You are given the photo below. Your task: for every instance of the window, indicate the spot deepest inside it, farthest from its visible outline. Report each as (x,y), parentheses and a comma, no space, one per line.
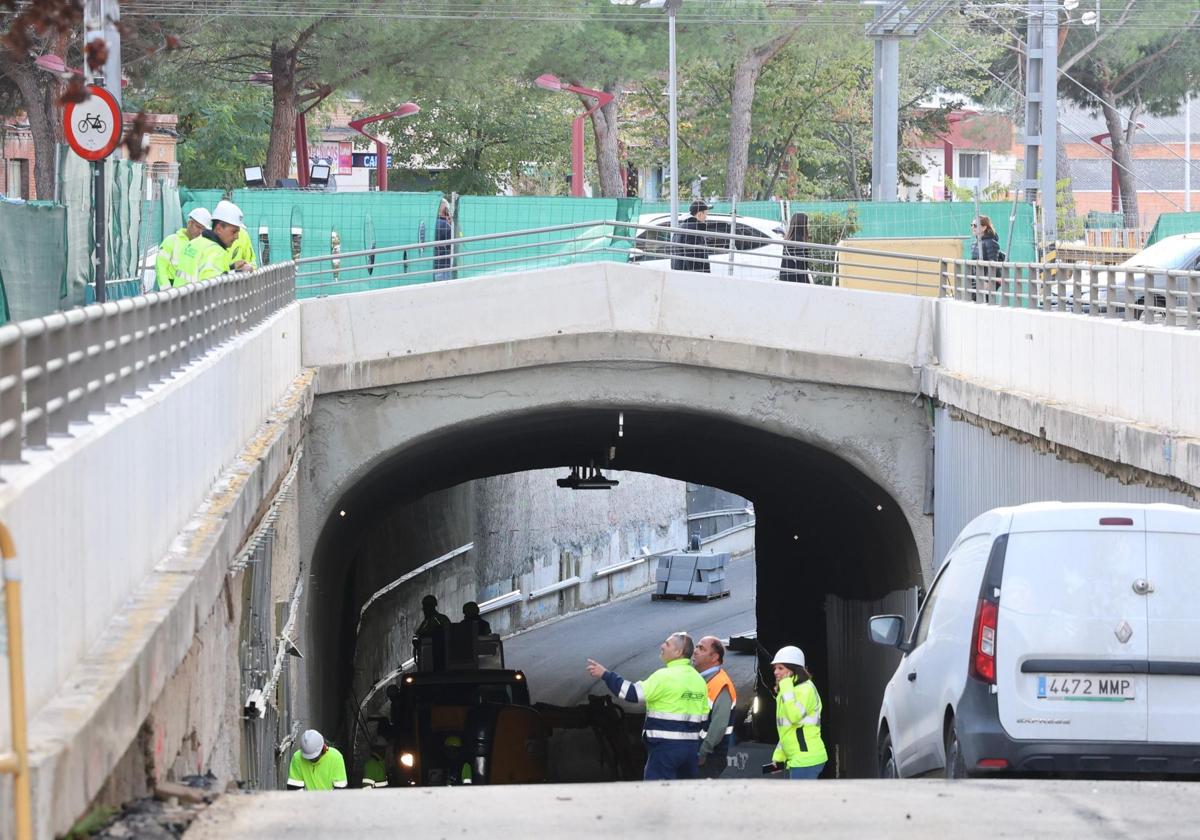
(921,631)
(17,178)
(972,165)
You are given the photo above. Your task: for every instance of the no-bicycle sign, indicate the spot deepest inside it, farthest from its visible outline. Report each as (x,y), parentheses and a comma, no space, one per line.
(93,127)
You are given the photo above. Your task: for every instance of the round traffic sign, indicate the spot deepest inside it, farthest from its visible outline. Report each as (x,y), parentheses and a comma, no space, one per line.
(93,127)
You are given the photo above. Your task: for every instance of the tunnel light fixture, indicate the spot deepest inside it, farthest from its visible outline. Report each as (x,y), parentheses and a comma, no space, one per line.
(587,478)
(342,513)
(878,507)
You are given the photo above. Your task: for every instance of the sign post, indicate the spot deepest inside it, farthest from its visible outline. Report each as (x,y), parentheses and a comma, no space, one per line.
(93,130)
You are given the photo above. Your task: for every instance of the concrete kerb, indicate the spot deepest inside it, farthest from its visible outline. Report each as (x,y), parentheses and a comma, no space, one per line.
(79,736)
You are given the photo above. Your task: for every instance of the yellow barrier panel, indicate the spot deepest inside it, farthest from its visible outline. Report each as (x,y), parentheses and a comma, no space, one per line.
(16,762)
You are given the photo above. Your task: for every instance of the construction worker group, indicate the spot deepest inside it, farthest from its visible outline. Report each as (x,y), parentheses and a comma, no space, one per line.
(210,245)
(689,702)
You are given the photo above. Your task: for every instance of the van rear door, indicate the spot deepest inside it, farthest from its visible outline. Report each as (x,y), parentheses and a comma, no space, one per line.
(1071,640)
(1173,572)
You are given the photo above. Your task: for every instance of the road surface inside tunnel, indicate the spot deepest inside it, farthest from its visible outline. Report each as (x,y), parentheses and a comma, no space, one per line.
(624,636)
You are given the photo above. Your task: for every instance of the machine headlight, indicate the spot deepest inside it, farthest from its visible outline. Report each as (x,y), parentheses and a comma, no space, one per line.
(754,707)
(406,759)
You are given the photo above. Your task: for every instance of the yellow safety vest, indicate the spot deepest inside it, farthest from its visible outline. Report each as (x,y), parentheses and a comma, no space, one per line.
(798,718)
(243,249)
(202,259)
(166,262)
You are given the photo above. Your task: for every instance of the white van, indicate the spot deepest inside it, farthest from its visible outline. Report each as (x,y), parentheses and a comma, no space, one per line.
(1056,638)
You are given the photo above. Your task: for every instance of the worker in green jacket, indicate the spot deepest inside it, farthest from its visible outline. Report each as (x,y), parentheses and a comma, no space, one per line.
(207,256)
(241,252)
(171,249)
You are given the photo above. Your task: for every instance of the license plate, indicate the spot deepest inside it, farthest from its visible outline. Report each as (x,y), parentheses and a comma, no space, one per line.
(1113,688)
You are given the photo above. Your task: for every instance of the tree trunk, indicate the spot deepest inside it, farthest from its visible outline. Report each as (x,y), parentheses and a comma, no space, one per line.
(283,114)
(37,95)
(608,160)
(745,78)
(1120,137)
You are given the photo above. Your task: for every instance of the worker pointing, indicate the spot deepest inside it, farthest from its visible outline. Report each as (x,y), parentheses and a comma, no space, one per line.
(676,708)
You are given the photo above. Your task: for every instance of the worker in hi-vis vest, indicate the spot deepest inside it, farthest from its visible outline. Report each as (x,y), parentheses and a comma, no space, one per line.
(676,708)
(717,737)
(171,249)
(316,765)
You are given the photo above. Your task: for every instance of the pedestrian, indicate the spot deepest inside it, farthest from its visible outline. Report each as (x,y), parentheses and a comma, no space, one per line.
(717,737)
(985,248)
(794,267)
(471,616)
(316,765)
(207,256)
(441,253)
(676,701)
(798,717)
(167,262)
(691,247)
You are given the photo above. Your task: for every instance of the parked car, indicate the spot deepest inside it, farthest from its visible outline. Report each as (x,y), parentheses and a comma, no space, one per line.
(1056,638)
(1142,271)
(749,259)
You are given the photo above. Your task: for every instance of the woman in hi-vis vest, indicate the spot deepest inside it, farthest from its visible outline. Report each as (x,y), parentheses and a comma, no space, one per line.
(798,717)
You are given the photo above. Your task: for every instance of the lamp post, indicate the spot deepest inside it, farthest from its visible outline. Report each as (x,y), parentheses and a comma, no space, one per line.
(548,81)
(670,7)
(408,109)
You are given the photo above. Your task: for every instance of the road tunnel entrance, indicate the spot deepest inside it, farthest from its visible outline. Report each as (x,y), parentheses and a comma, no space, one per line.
(831,540)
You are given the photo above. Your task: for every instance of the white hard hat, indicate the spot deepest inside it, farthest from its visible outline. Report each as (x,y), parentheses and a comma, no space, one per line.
(201,217)
(789,655)
(227,211)
(311,744)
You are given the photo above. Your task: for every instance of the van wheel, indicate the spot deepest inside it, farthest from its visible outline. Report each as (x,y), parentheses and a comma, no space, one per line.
(956,766)
(887,759)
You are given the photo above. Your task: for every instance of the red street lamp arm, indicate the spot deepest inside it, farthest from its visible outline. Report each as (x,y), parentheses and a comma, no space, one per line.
(408,109)
(548,81)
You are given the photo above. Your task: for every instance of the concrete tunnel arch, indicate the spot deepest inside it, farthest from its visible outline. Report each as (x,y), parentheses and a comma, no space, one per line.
(830,469)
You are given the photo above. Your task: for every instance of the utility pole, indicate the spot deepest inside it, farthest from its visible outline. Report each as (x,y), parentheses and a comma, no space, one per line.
(1041,114)
(894,19)
(100,18)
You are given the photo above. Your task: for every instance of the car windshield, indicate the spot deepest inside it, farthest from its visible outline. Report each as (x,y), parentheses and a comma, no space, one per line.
(1168,254)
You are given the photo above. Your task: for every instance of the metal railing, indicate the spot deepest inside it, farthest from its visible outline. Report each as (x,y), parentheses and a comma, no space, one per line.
(760,257)
(69,365)
(17,761)
(1102,291)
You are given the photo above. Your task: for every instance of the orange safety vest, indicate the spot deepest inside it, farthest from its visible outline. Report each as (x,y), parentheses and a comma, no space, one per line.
(719,681)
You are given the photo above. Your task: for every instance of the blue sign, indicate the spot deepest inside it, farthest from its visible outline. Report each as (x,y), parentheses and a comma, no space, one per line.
(370,160)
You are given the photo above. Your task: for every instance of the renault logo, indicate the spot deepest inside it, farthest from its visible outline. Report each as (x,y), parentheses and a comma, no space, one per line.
(1123,632)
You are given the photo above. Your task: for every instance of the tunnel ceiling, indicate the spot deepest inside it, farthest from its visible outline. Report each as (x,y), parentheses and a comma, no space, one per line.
(815,493)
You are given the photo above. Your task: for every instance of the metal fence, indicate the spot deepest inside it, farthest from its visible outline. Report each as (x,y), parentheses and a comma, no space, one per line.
(723,253)
(1130,294)
(66,366)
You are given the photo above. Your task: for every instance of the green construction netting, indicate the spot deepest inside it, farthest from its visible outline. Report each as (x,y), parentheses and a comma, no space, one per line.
(1169,224)
(481,215)
(915,219)
(1104,221)
(32,258)
(772,210)
(300,223)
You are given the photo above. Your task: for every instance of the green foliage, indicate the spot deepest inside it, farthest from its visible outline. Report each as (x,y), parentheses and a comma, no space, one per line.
(1070,225)
(504,135)
(829,229)
(219,134)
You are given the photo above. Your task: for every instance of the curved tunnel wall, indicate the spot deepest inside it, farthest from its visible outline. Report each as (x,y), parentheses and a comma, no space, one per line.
(837,473)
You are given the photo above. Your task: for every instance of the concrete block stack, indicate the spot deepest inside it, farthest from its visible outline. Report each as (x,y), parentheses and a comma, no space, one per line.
(687,575)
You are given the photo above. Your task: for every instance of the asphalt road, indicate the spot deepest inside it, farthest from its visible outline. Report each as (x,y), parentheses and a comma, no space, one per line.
(624,637)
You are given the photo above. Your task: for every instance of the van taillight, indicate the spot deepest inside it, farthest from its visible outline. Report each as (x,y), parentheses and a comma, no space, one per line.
(983,642)
(1115,520)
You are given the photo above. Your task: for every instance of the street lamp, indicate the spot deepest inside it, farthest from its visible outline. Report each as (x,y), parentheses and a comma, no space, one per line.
(548,81)
(671,7)
(405,110)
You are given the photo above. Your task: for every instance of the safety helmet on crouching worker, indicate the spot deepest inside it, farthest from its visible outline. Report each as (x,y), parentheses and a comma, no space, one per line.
(228,212)
(311,744)
(201,217)
(789,655)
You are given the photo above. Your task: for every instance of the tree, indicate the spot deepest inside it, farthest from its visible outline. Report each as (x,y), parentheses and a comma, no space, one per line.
(488,138)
